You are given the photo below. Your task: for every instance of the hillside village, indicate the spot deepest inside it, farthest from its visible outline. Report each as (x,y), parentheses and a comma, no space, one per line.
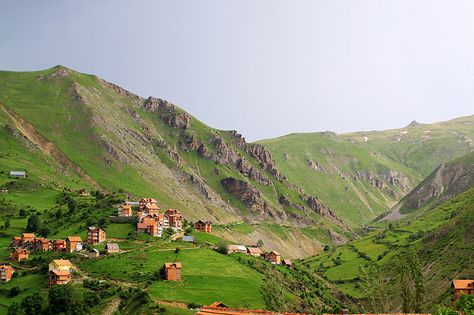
(286,225)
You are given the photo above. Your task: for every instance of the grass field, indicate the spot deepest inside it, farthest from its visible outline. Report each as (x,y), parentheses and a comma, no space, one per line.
(207,276)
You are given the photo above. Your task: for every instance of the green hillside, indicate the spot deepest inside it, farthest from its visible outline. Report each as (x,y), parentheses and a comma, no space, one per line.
(75,130)
(441,237)
(362,175)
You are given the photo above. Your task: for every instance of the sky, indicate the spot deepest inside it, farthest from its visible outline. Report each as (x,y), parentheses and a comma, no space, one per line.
(264,68)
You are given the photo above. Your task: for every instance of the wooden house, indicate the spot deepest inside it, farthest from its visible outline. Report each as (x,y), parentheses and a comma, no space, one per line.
(16,241)
(274,257)
(287,262)
(58,277)
(93,253)
(95,235)
(462,287)
(111,248)
(28,240)
(42,244)
(59,245)
(6,272)
(173,271)
(73,243)
(60,264)
(203,226)
(19,254)
(254,251)
(125,211)
(175,219)
(236,249)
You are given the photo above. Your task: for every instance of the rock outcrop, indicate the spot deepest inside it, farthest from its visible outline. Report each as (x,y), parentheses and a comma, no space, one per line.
(245,193)
(153,104)
(179,121)
(224,154)
(251,172)
(319,208)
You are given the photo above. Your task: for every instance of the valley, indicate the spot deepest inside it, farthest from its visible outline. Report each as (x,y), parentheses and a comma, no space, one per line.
(345,208)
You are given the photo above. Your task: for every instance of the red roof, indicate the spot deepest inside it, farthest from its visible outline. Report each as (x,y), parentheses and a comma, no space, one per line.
(463,284)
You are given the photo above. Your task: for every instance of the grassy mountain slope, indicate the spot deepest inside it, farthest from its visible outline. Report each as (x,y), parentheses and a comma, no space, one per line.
(448,180)
(439,231)
(107,138)
(361,175)
(358,184)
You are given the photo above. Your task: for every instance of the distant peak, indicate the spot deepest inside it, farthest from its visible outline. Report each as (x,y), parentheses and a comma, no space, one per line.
(413,123)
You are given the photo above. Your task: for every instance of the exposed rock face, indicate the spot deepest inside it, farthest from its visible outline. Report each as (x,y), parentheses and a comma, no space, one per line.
(336,238)
(152,104)
(237,138)
(314,165)
(251,172)
(384,178)
(224,154)
(263,155)
(190,142)
(446,181)
(179,121)
(246,193)
(286,203)
(59,73)
(319,208)
(397,179)
(328,133)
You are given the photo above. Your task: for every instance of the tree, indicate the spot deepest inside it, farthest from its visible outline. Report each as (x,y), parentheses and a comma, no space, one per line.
(59,214)
(465,303)
(44,231)
(260,243)
(7,223)
(272,292)
(66,299)
(72,205)
(222,247)
(33,223)
(22,213)
(15,309)
(102,222)
(326,248)
(32,304)
(411,283)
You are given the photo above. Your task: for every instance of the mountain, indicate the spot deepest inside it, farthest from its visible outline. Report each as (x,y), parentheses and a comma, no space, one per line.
(438,229)
(74,130)
(364,174)
(447,181)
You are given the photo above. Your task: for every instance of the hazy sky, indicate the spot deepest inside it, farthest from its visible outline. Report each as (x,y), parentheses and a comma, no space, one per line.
(265,68)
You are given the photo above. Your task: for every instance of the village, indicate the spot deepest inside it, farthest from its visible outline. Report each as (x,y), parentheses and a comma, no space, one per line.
(147,217)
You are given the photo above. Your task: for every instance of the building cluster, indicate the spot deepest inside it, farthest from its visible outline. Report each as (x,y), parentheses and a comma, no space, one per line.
(149,217)
(273,256)
(22,245)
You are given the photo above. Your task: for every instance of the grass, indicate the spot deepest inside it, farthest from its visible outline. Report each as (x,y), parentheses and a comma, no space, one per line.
(30,284)
(119,230)
(208,276)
